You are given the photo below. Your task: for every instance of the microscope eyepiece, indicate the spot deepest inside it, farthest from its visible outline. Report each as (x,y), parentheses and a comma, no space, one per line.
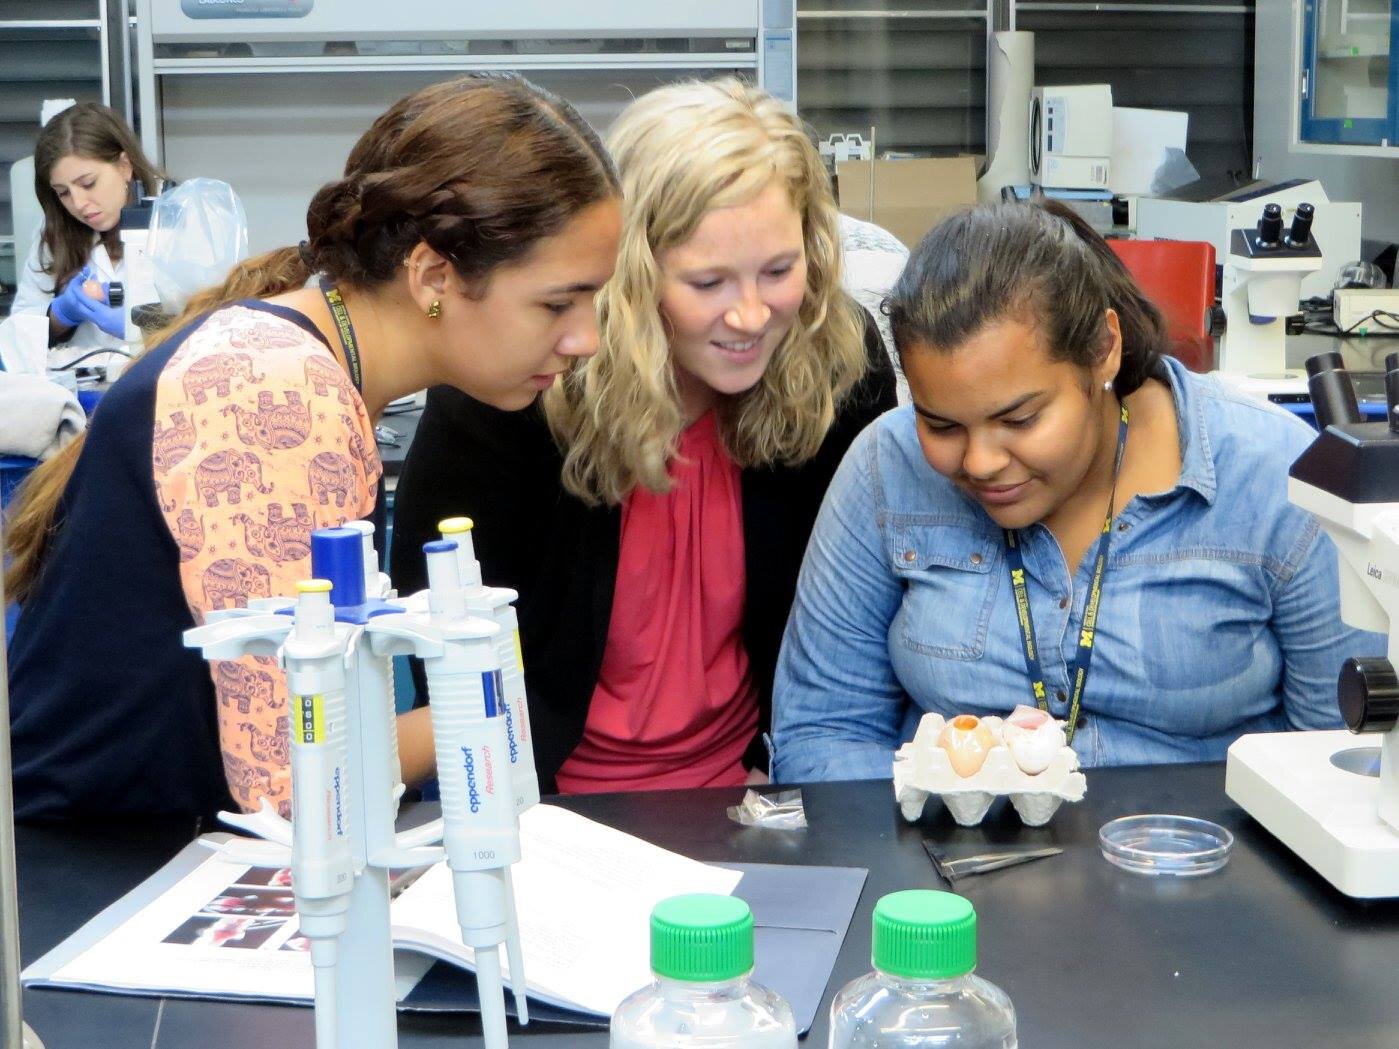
(1270,226)
(1331,360)
(1333,396)
(1301,231)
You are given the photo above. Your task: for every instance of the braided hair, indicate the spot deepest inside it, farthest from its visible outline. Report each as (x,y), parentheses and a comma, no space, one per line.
(479,169)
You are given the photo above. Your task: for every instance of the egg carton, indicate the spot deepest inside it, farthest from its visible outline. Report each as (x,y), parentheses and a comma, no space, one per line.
(922,769)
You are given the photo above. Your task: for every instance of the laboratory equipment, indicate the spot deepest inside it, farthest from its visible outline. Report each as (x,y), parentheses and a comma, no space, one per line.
(1179,846)
(1366,311)
(498,605)
(925,767)
(1071,136)
(134,232)
(335,641)
(1333,796)
(1335,224)
(703,996)
(1263,287)
(328,65)
(838,148)
(953,867)
(481,830)
(922,993)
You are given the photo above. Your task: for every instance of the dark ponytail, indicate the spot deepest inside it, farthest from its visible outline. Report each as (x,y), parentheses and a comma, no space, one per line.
(1035,262)
(481,168)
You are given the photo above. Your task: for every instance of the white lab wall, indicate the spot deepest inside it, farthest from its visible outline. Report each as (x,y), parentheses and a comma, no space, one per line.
(1374,181)
(278,138)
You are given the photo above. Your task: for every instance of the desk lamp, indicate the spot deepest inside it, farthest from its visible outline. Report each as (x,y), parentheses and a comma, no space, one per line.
(15,1031)
(1333,797)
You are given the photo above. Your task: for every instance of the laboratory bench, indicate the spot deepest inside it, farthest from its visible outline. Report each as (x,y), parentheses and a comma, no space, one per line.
(1263,953)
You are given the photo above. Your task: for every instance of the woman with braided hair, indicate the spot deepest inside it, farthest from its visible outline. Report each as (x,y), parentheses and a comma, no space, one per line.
(474,224)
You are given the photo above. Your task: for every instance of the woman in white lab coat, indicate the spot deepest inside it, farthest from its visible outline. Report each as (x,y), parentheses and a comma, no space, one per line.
(84,164)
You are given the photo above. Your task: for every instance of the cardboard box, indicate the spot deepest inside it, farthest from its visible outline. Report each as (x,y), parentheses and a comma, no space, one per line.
(908,196)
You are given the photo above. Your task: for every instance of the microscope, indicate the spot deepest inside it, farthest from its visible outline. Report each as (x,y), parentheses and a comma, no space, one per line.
(140,298)
(1333,797)
(1263,275)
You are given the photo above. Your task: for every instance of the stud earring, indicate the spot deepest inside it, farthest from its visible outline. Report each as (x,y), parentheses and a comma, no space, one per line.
(435,310)
(1107,385)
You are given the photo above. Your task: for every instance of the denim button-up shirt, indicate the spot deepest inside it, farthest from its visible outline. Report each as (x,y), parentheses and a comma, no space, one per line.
(1220,611)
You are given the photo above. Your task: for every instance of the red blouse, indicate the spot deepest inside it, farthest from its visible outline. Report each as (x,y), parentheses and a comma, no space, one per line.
(674,704)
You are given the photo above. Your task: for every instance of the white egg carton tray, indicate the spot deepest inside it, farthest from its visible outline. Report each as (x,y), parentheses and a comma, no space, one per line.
(922,769)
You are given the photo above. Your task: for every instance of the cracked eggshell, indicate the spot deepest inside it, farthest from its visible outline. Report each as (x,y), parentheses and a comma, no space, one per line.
(1034,748)
(1028,717)
(923,769)
(967,741)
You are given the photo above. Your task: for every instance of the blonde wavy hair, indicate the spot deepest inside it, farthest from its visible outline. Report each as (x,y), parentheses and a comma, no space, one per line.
(682,151)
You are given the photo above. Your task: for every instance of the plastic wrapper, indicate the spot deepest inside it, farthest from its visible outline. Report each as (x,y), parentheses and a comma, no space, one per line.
(924,769)
(780,811)
(198,233)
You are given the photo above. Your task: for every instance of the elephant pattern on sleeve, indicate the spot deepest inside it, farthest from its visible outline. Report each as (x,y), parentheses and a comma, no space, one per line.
(260,438)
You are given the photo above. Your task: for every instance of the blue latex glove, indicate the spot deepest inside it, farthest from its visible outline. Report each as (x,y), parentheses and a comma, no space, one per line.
(73,306)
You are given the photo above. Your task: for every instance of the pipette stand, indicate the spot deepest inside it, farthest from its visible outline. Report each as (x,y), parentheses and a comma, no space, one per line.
(362,1014)
(1332,796)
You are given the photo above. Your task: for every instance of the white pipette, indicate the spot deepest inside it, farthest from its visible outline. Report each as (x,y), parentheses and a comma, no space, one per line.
(322,856)
(378,585)
(498,604)
(480,827)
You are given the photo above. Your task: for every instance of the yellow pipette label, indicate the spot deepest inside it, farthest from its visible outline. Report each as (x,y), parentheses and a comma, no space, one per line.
(311,718)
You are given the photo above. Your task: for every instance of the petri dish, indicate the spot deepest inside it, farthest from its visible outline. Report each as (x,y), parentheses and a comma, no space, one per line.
(1174,846)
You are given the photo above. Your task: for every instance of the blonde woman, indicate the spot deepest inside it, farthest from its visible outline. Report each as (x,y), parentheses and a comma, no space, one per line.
(653,509)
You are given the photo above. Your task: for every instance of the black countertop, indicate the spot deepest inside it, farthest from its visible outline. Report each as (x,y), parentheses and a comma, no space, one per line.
(1264,953)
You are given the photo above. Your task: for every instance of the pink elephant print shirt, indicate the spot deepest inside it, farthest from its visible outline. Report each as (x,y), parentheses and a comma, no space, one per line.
(260,437)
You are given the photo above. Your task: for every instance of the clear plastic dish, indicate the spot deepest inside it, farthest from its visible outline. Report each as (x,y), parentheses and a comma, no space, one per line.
(1178,846)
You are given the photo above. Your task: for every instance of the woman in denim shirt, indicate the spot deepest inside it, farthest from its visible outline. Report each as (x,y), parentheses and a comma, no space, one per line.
(1032,357)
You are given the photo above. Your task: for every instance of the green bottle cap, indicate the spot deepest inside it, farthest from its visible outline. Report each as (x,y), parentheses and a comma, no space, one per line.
(920,934)
(701,938)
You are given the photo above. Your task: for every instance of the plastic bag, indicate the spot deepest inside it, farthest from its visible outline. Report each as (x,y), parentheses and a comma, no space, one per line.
(198,233)
(780,811)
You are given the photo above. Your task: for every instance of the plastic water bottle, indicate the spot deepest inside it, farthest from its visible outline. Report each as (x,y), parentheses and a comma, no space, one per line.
(703,998)
(922,994)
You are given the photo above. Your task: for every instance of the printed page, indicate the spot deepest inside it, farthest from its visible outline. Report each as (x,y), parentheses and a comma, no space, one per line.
(584,894)
(224,930)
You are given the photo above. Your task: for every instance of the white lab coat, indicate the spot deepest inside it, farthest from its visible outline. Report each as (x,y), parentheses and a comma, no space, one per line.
(35,292)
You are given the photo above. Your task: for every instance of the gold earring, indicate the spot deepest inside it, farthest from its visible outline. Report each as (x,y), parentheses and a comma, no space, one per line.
(435,310)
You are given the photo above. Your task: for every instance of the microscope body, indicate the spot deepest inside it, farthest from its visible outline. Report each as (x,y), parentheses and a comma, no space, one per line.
(1349,478)
(1263,275)
(134,233)
(1333,797)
